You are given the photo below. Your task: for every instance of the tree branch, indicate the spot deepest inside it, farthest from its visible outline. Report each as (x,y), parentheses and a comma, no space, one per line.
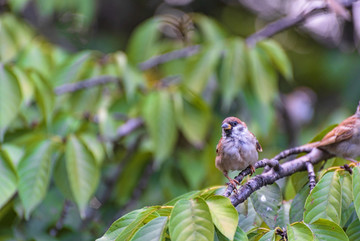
(72,87)
(285,169)
(268,31)
(310,169)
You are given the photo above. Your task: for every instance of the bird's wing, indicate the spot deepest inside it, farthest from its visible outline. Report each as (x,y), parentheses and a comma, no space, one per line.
(340,133)
(258,146)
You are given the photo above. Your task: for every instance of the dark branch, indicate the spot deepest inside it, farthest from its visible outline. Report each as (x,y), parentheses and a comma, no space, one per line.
(310,169)
(72,87)
(60,223)
(128,127)
(269,177)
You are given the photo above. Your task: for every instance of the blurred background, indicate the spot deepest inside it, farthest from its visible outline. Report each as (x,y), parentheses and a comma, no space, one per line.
(143,136)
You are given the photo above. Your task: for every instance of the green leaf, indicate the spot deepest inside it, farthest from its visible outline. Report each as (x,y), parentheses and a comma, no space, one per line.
(233,70)
(44,96)
(267,202)
(200,67)
(346,197)
(297,205)
(240,235)
(34,175)
(158,113)
(324,200)
(94,146)
(269,236)
(262,75)
(326,230)
(209,28)
(119,225)
(152,231)
(283,215)
(251,219)
(278,57)
(142,219)
(8,179)
(356,189)
(82,170)
(185,196)
(191,220)
(353,231)
(223,214)
(299,231)
(193,116)
(10,98)
(139,50)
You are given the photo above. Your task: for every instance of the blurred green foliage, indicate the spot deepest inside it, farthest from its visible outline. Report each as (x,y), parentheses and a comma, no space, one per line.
(66,174)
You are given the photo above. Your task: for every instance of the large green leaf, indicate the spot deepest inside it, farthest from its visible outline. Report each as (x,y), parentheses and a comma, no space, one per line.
(93,145)
(142,219)
(283,219)
(83,172)
(262,75)
(346,197)
(119,225)
(233,70)
(267,202)
(34,175)
(223,214)
(240,235)
(326,230)
(10,97)
(152,231)
(324,200)
(191,220)
(278,57)
(269,236)
(8,179)
(139,50)
(248,218)
(353,231)
(193,116)
(356,189)
(44,96)
(158,112)
(299,231)
(297,205)
(210,29)
(200,67)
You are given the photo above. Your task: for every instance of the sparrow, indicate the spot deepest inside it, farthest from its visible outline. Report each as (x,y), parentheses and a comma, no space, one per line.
(237,148)
(344,139)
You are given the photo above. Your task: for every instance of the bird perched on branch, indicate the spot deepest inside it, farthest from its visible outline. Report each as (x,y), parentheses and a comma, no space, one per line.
(343,140)
(237,148)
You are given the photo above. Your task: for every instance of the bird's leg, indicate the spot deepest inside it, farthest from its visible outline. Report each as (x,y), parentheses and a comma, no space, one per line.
(252,169)
(233,182)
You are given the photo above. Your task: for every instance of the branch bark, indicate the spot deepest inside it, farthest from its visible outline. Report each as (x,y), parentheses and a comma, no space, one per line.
(72,87)
(284,170)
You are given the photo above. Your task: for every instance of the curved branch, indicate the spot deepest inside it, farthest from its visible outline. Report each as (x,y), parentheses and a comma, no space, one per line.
(285,169)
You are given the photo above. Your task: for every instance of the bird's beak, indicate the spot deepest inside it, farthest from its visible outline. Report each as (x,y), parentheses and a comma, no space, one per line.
(226,126)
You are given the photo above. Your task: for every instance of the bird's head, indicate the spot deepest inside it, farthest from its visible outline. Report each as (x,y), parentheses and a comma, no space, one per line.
(232,127)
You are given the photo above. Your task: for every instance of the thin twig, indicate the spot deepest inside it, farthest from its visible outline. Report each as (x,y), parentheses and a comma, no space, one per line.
(72,87)
(311,174)
(128,127)
(60,223)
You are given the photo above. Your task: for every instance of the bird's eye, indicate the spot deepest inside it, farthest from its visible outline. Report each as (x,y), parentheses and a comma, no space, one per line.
(233,123)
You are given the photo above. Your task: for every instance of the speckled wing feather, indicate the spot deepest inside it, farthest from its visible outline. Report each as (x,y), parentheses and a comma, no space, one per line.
(258,146)
(340,133)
